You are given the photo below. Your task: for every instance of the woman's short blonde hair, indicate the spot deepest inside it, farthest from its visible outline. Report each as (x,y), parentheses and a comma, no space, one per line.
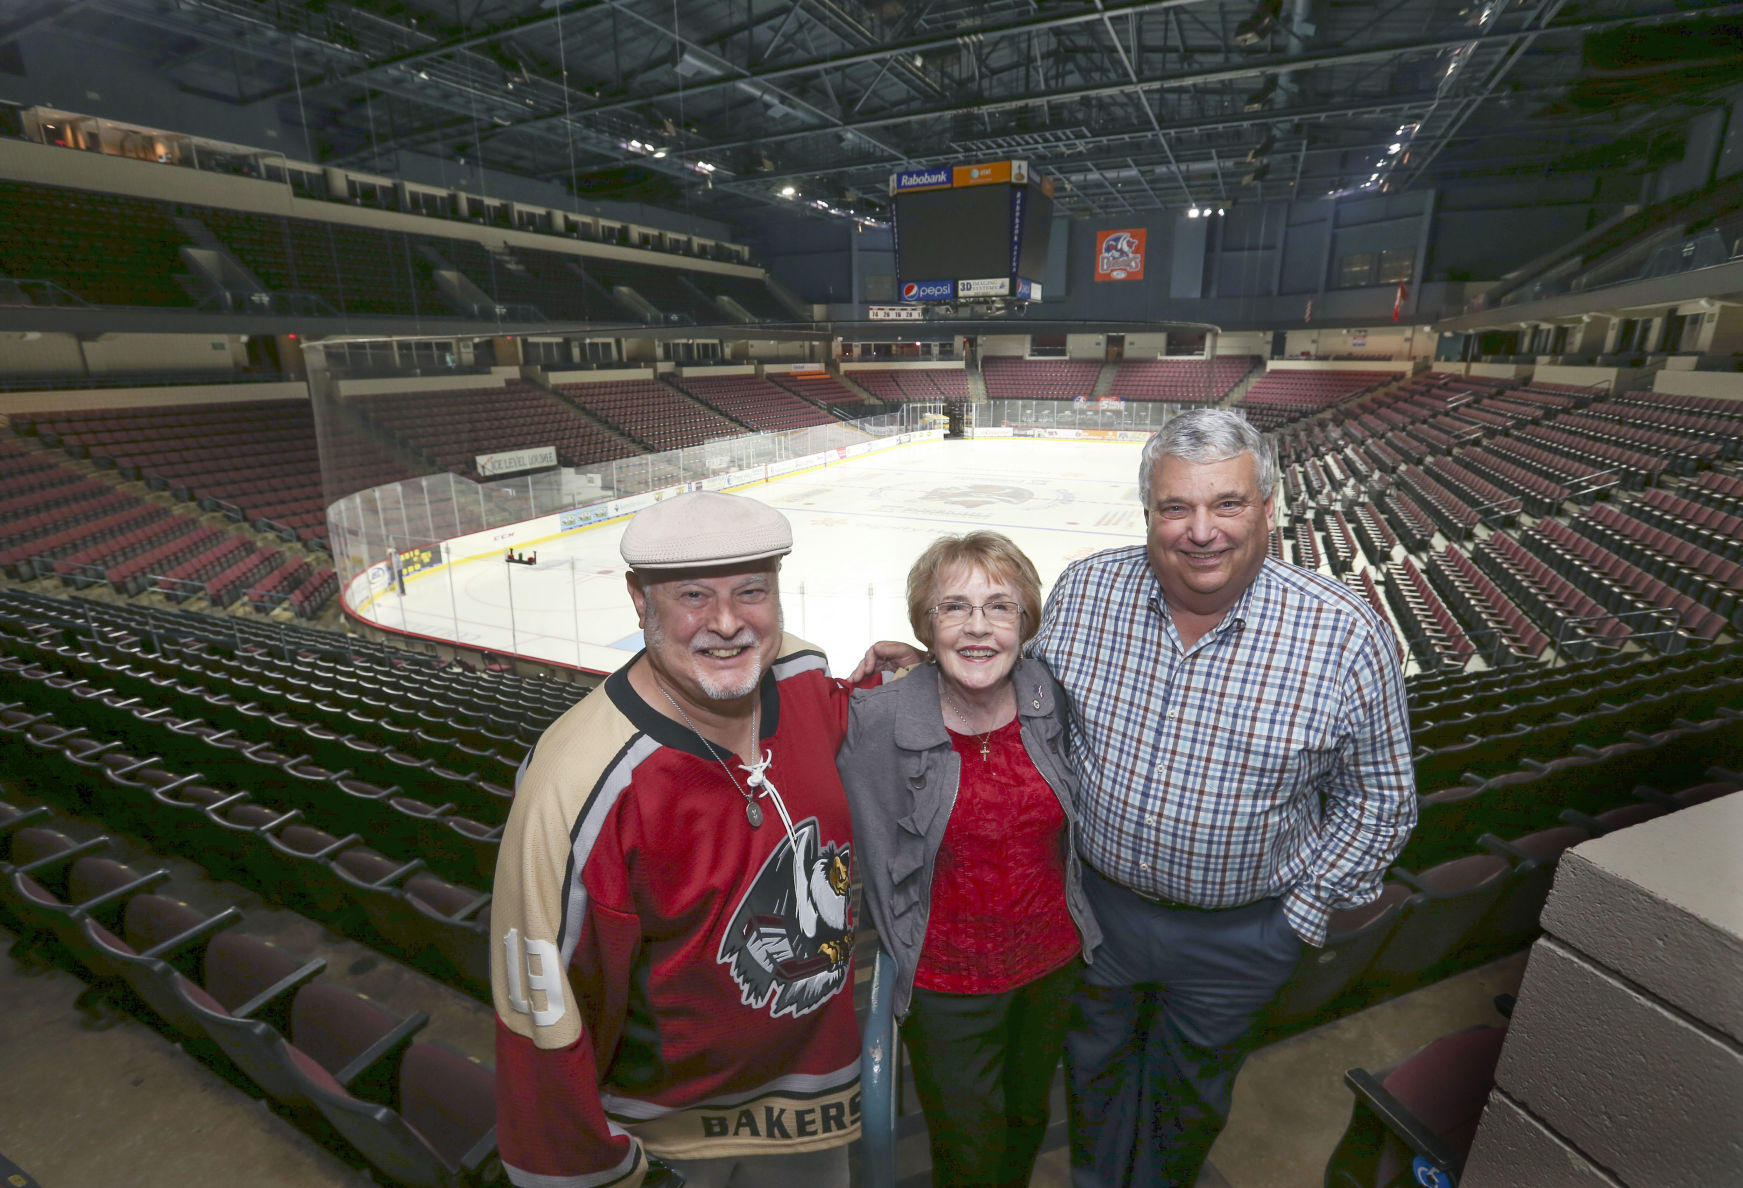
(993,554)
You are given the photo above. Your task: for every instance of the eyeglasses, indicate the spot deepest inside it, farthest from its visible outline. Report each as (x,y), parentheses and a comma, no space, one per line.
(955,614)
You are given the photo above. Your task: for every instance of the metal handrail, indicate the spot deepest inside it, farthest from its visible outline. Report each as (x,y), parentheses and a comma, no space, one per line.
(880,1077)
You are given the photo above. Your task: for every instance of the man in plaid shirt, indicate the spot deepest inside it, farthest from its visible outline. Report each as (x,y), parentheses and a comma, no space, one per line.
(1242,734)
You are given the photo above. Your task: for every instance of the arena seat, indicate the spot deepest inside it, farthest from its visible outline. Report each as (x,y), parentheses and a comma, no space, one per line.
(1443,915)
(1425,1106)
(162,946)
(57,883)
(1534,856)
(331,1031)
(1611,820)
(437,1128)
(1353,937)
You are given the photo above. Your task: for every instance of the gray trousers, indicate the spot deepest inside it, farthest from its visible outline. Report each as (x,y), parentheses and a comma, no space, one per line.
(814,1169)
(1161,1024)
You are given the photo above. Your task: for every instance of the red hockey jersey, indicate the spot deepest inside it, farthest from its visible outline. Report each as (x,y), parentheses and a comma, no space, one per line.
(665,975)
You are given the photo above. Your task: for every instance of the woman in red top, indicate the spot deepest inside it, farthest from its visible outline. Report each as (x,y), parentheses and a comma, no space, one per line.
(963,813)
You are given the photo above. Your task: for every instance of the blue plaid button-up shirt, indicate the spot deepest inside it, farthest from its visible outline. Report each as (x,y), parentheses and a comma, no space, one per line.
(1270,758)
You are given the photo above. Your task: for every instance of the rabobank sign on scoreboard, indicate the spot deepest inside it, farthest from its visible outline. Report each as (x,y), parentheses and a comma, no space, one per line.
(920,179)
(928,290)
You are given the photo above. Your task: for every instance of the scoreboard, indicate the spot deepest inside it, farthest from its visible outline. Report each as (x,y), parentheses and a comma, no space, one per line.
(969,232)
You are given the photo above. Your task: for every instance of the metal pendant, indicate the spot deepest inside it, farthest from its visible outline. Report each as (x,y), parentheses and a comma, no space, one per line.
(753,813)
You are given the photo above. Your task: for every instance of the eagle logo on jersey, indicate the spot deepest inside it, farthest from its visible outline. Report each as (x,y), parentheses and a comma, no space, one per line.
(790,938)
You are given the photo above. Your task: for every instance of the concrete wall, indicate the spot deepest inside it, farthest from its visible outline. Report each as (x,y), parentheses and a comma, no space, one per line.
(1623,1065)
(29,353)
(1004,344)
(1394,342)
(19,402)
(1727,385)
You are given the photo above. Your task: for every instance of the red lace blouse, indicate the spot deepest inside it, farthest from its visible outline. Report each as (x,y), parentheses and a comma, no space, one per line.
(998,917)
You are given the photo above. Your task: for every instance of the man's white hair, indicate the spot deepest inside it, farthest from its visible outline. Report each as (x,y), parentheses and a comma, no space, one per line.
(1205,435)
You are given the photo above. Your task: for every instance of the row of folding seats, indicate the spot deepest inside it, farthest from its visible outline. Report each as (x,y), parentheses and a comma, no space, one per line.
(1578,775)
(754,400)
(1683,453)
(1180,380)
(1633,468)
(1723,413)
(1413,525)
(1541,496)
(1490,753)
(1497,506)
(1340,542)
(651,412)
(1460,721)
(1454,515)
(816,386)
(341,856)
(1575,550)
(277,585)
(1481,901)
(1582,478)
(1357,463)
(1714,581)
(1439,637)
(1281,396)
(1505,633)
(484,711)
(1407,446)
(913,383)
(1362,581)
(338,741)
(420,1113)
(1477,691)
(107,249)
(1011,378)
(1513,412)
(310,597)
(1373,535)
(1581,625)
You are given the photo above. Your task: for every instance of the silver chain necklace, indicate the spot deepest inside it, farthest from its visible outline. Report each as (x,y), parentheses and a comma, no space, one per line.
(985,746)
(752,810)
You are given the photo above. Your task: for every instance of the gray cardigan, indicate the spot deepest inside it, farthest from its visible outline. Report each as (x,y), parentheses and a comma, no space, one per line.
(901,777)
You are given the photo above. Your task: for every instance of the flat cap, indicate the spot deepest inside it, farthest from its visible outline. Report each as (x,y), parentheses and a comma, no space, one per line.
(699,529)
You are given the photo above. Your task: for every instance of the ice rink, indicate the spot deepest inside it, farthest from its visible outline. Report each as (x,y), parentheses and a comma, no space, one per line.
(857,527)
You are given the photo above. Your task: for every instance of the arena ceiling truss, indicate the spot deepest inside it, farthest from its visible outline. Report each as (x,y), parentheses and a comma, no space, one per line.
(1141,105)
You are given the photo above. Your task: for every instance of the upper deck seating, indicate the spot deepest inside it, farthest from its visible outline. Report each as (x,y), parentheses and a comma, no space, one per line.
(108,249)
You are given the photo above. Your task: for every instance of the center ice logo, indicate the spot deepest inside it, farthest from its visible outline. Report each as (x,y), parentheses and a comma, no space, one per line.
(981,494)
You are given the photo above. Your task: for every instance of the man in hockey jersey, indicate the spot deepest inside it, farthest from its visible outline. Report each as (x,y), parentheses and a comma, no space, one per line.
(672,939)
